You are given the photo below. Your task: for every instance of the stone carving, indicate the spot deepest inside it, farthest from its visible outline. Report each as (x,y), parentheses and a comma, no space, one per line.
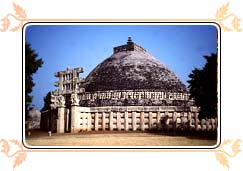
(54,101)
(61,101)
(74,99)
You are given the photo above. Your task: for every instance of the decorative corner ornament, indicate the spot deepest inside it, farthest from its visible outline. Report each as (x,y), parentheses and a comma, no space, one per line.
(19,16)
(223,154)
(223,18)
(19,153)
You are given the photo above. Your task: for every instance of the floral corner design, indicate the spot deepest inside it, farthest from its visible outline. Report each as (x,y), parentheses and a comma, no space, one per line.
(223,18)
(18,17)
(223,153)
(18,153)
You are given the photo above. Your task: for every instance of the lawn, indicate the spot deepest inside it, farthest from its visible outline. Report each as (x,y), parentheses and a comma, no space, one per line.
(118,139)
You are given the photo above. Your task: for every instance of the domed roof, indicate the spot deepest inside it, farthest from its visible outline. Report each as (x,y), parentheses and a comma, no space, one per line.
(130,67)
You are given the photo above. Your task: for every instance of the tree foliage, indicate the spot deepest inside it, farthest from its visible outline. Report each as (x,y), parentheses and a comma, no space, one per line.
(203,87)
(32,64)
(47,102)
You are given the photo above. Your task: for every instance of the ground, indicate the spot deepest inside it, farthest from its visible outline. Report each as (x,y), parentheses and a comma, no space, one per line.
(118,139)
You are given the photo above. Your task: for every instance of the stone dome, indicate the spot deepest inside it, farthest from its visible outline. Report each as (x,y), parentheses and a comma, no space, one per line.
(130,67)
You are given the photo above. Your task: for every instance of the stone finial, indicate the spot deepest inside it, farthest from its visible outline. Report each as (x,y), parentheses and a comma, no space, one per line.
(61,101)
(74,99)
(129,39)
(130,46)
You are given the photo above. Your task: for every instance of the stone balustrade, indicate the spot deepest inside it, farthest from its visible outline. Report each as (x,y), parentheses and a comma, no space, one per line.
(132,118)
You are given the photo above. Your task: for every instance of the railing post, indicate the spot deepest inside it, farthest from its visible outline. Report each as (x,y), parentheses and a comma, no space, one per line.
(103,121)
(126,121)
(134,121)
(142,121)
(111,121)
(96,121)
(118,121)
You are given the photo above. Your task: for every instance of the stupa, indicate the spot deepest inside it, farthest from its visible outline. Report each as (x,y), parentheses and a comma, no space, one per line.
(130,90)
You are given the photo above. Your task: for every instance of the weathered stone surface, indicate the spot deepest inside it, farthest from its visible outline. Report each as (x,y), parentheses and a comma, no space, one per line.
(133,69)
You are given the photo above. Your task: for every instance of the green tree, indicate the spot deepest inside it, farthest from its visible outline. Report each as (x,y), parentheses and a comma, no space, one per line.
(47,102)
(203,87)
(32,64)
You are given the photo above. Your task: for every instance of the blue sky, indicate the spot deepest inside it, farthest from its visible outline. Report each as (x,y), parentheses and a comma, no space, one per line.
(180,47)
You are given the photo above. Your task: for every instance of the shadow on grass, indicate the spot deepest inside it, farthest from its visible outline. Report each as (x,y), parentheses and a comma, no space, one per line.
(190,134)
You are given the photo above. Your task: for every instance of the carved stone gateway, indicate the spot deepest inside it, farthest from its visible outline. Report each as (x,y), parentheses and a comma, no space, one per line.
(131,90)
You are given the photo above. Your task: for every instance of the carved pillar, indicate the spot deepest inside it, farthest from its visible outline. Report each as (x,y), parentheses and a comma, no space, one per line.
(134,121)
(74,114)
(61,112)
(142,121)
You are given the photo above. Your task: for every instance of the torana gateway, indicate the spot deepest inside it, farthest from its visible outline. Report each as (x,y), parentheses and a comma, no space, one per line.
(130,90)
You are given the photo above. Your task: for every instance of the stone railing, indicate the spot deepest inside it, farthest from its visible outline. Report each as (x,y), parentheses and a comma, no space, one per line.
(140,119)
(134,98)
(134,94)
(123,98)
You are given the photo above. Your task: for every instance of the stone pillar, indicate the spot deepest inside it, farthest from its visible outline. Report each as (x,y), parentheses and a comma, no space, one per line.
(190,120)
(158,119)
(111,121)
(85,121)
(174,120)
(126,121)
(96,121)
(118,121)
(134,121)
(89,121)
(103,121)
(196,121)
(150,120)
(142,121)
(75,120)
(82,120)
(67,121)
(60,120)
